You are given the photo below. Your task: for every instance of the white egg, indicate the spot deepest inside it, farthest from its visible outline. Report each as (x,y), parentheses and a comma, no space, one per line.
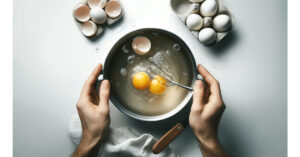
(97,3)
(222,23)
(209,8)
(207,36)
(194,22)
(98,15)
(196,1)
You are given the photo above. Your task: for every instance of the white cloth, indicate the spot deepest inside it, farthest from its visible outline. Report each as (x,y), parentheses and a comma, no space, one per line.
(121,142)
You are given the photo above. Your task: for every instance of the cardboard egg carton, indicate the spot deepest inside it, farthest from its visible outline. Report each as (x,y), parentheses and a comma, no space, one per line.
(100,29)
(184,8)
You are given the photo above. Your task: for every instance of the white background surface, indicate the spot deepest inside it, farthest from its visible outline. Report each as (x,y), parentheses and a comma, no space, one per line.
(52,59)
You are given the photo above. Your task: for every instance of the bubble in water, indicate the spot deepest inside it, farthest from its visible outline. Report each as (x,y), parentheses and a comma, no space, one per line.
(125,49)
(168,52)
(176,47)
(184,74)
(118,84)
(123,71)
(157,59)
(130,59)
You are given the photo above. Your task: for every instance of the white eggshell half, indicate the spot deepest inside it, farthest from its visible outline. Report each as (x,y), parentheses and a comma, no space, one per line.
(98,15)
(209,8)
(89,28)
(82,13)
(196,1)
(207,36)
(141,45)
(97,3)
(222,23)
(194,22)
(113,9)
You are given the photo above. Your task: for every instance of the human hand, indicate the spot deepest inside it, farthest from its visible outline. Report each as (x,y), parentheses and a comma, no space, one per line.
(93,110)
(206,112)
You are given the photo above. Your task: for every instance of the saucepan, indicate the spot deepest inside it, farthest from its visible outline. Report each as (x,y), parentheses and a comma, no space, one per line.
(113,59)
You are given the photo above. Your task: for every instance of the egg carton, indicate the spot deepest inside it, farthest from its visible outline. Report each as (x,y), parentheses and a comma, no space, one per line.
(184,8)
(109,21)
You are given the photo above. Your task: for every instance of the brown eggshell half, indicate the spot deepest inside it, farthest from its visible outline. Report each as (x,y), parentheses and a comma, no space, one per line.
(82,13)
(113,9)
(89,28)
(141,45)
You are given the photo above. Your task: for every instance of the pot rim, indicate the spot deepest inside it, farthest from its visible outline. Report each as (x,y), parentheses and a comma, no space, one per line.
(164,116)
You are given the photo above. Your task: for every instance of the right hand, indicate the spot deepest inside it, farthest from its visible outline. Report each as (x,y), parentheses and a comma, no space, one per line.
(206,112)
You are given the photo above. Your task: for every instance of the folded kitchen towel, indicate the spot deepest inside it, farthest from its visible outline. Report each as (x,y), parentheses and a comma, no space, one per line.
(121,142)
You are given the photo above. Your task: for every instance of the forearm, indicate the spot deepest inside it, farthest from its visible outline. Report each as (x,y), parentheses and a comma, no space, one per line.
(88,148)
(212,148)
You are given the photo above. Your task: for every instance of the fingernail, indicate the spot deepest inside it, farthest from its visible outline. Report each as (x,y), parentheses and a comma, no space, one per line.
(105,83)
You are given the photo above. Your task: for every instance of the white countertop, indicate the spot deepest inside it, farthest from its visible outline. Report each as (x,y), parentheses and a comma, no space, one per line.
(52,59)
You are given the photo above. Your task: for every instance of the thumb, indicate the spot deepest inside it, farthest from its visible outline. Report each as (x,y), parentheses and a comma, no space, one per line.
(104,94)
(198,95)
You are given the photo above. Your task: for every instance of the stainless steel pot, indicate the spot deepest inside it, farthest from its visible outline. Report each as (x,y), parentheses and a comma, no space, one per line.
(110,59)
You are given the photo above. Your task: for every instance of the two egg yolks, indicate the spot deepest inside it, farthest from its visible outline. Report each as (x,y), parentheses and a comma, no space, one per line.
(141,81)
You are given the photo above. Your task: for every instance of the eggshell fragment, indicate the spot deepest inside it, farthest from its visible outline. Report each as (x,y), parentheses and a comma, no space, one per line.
(89,28)
(98,15)
(113,9)
(141,45)
(222,23)
(194,22)
(82,13)
(97,3)
(207,36)
(209,8)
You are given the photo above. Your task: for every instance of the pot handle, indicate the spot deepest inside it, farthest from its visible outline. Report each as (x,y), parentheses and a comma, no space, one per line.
(167,138)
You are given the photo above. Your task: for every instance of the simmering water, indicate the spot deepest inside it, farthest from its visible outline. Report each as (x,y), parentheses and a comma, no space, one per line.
(166,58)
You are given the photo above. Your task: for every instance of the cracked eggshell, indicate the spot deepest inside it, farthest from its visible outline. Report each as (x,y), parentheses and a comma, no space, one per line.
(196,1)
(113,9)
(141,45)
(222,23)
(89,28)
(98,15)
(194,22)
(97,3)
(209,8)
(82,13)
(207,36)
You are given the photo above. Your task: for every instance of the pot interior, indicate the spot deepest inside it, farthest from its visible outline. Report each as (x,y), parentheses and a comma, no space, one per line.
(169,57)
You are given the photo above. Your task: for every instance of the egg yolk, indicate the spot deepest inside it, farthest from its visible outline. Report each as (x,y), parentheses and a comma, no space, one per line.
(157,85)
(141,80)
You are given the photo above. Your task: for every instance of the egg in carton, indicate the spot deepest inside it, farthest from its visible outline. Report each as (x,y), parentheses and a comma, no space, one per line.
(91,15)
(208,20)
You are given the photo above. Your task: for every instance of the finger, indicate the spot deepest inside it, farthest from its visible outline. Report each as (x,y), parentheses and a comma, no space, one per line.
(198,95)
(90,83)
(104,94)
(212,82)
